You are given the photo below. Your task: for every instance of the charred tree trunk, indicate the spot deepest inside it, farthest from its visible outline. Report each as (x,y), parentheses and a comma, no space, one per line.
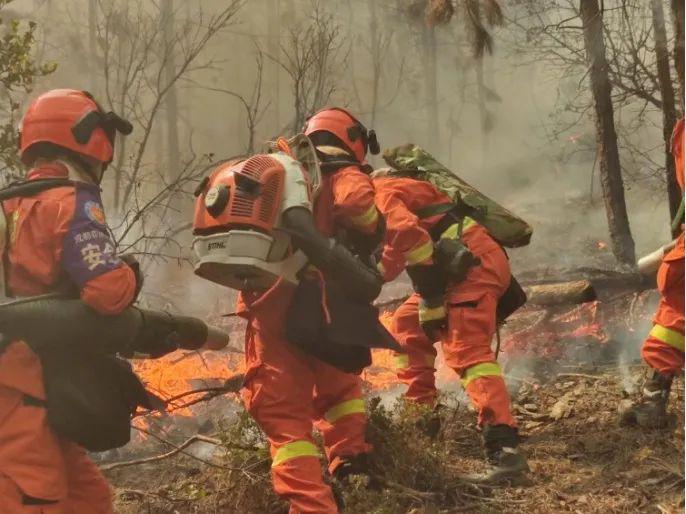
(376,59)
(431,85)
(678,21)
(92,46)
(669,115)
(171,101)
(606,136)
(273,39)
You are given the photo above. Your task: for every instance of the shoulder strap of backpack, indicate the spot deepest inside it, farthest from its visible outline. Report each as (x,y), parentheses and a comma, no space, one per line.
(32,187)
(434,210)
(16,190)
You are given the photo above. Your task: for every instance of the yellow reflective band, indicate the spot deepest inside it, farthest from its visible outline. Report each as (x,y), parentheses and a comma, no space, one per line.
(452,230)
(432,314)
(294,450)
(668,336)
(370,216)
(420,253)
(343,409)
(485,369)
(401,361)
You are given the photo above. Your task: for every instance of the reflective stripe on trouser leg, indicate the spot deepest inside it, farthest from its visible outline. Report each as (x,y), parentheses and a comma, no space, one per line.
(346,408)
(417,371)
(662,356)
(668,336)
(486,388)
(485,369)
(293,451)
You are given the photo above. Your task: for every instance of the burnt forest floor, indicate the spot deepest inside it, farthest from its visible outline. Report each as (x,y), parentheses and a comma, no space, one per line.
(581,460)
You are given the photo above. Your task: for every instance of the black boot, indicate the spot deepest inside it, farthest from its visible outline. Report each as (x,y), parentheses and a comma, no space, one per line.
(651,410)
(505,463)
(357,465)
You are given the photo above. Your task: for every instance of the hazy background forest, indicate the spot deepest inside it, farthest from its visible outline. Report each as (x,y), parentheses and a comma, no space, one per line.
(500,96)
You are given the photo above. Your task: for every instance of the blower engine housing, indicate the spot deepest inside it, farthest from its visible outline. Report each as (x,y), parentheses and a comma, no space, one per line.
(238,240)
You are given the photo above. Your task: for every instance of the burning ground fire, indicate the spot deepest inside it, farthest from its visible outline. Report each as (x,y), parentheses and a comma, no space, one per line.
(550,334)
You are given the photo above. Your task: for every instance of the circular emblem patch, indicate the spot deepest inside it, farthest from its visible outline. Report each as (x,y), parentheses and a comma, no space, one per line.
(94,212)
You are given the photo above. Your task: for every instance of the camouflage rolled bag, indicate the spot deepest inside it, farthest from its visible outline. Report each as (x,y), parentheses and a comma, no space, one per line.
(508,229)
(505,227)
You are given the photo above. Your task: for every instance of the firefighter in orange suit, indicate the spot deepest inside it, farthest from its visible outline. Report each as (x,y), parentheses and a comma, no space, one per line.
(58,242)
(663,350)
(287,391)
(461,314)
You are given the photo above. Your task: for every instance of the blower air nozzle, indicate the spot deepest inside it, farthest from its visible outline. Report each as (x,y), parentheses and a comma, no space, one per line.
(46,323)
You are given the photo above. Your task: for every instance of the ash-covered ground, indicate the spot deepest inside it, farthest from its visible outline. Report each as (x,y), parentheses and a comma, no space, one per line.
(567,367)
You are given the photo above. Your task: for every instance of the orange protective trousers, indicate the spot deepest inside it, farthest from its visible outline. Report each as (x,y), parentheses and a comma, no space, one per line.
(289,393)
(41,473)
(663,350)
(471,306)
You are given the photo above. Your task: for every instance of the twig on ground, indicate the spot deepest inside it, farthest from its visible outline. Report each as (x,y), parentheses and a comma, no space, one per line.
(580,375)
(139,492)
(177,449)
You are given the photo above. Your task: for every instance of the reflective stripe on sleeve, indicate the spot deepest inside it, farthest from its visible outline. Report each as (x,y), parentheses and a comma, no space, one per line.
(668,336)
(432,314)
(401,361)
(419,253)
(452,230)
(485,369)
(355,406)
(293,451)
(370,216)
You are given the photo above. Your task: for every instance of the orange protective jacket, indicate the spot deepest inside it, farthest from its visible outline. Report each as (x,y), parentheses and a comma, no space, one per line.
(285,390)
(57,237)
(407,240)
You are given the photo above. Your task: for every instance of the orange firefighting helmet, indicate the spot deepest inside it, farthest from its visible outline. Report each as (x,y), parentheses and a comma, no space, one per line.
(347,129)
(678,151)
(71,119)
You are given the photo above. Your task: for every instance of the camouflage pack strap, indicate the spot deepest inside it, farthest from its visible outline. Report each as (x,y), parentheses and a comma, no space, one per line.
(679,218)
(434,210)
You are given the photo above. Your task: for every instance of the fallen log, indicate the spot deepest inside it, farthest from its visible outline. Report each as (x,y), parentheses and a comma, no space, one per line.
(561,293)
(556,293)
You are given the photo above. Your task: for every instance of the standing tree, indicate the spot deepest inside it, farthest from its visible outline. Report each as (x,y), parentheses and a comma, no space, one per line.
(606,137)
(18,70)
(312,57)
(173,163)
(150,204)
(669,115)
(678,21)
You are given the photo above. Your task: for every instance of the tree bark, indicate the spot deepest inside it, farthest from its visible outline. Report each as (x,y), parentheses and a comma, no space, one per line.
(375,44)
(92,46)
(669,115)
(273,49)
(431,84)
(678,21)
(561,293)
(606,136)
(171,101)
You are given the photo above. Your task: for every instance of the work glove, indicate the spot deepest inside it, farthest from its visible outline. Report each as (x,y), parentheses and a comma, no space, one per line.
(135,266)
(454,258)
(428,280)
(433,317)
